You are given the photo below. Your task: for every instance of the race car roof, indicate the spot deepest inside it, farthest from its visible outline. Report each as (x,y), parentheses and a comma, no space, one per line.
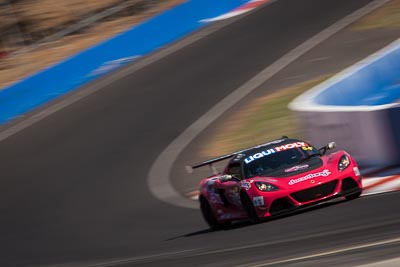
(241,155)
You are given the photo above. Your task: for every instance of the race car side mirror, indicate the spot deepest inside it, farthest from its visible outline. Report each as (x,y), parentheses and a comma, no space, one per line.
(227,177)
(329,146)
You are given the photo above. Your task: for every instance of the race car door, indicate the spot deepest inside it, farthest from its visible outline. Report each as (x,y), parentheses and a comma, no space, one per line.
(230,191)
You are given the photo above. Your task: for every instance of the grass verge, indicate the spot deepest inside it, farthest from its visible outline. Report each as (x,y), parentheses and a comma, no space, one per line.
(263,119)
(387,16)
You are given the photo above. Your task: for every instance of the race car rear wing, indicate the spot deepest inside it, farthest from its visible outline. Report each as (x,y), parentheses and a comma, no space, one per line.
(190,168)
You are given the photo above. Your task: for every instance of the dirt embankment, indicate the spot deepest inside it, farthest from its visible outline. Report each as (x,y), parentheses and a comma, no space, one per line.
(35,34)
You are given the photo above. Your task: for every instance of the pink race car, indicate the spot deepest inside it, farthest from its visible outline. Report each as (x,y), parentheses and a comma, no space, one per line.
(276,178)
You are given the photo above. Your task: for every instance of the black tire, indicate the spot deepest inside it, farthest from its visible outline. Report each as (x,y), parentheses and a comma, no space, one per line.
(209,217)
(249,208)
(354,196)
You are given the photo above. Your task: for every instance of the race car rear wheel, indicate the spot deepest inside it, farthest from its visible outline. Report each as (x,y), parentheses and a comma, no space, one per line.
(249,208)
(209,217)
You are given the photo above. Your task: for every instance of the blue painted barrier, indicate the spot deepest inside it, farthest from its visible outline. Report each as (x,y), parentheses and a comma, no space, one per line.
(359,108)
(138,41)
(376,83)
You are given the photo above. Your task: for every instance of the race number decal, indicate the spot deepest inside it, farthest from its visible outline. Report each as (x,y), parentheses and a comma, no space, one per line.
(258,201)
(245,185)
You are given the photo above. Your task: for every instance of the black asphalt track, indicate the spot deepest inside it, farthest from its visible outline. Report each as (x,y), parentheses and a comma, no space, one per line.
(73,187)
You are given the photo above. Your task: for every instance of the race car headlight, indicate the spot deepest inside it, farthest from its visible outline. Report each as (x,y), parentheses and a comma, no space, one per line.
(265,187)
(344,162)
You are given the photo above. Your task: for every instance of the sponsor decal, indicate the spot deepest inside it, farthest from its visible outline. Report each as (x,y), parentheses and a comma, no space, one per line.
(246,185)
(258,201)
(290,146)
(296,168)
(259,155)
(270,151)
(210,184)
(324,173)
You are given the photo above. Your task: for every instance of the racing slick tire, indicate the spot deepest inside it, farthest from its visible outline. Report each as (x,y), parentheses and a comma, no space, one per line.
(249,208)
(209,217)
(354,196)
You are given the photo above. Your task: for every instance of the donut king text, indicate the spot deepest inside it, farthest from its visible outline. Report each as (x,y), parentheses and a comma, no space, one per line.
(274,150)
(324,173)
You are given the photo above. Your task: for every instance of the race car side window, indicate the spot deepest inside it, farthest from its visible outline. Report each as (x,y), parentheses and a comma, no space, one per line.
(234,169)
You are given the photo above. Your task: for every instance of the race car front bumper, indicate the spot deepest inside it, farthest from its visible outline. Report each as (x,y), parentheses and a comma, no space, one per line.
(309,197)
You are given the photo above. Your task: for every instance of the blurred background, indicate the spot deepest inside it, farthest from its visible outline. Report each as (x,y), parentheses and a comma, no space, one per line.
(37,33)
(75,186)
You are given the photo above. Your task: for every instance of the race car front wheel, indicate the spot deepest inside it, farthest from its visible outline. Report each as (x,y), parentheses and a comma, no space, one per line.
(354,196)
(249,208)
(209,217)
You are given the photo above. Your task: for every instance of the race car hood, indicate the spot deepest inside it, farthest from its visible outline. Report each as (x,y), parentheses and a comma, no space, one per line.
(316,173)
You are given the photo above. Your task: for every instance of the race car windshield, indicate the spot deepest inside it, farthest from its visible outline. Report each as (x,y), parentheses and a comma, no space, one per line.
(276,163)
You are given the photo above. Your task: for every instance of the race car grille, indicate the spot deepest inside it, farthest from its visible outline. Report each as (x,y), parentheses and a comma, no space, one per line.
(280,205)
(315,192)
(349,184)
